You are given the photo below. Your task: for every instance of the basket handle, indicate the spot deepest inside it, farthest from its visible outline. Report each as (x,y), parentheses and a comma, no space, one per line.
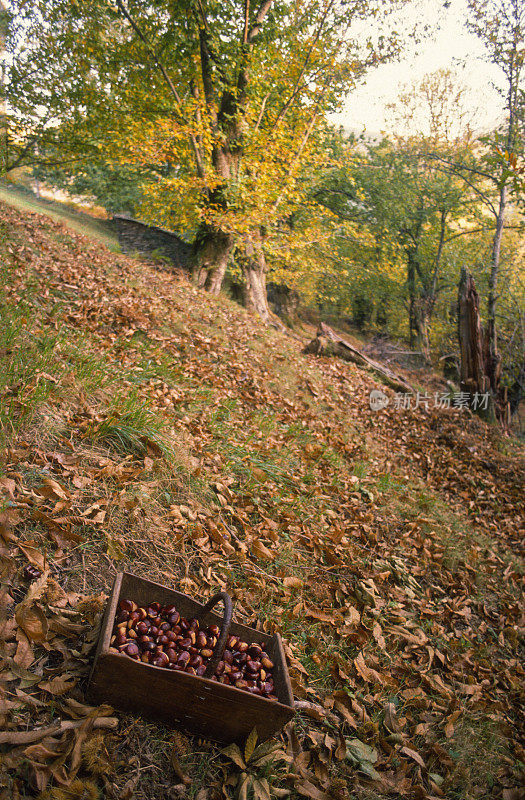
(225,628)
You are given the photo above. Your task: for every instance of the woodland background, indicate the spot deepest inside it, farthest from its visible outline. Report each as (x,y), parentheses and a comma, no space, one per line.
(213,120)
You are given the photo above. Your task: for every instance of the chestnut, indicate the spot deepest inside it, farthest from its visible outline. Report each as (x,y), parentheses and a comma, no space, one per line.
(134,617)
(194,624)
(242,647)
(153,609)
(228,657)
(161,660)
(214,630)
(183,658)
(174,618)
(205,653)
(127,605)
(123,617)
(201,670)
(172,656)
(184,624)
(253,666)
(132,650)
(211,641)
(31,573)
(266,663)
(241,684)
(142,627)
(201,639)
(232,642)
(195,661)
(255,650)
(162,640)
(219,668)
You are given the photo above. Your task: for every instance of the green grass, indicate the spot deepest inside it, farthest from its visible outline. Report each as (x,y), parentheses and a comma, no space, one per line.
(77,220)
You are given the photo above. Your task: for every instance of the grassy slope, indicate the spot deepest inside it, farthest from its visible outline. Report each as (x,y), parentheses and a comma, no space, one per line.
(77,220)
(195,447)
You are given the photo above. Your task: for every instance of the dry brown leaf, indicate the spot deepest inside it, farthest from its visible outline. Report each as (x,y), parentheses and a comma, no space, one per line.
(308,789)
(367,673)
(59,685)
(291,582)
(24,655)
(414,756)
(261,551)
(53,489)
(177,768)
(33,554)
(33,621)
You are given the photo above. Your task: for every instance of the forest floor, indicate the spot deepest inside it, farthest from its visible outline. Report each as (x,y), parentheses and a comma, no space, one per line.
(151,428)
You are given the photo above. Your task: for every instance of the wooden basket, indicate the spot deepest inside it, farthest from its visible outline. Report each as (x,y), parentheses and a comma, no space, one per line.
(200,706)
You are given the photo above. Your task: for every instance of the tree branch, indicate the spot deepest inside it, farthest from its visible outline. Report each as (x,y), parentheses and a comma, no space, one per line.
(295,89)
(198,158)
(259,19)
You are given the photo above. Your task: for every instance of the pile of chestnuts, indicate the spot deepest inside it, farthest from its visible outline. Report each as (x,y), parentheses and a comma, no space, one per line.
(159,635)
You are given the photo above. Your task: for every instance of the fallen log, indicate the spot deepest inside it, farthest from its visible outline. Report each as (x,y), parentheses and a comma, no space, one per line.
(329,343)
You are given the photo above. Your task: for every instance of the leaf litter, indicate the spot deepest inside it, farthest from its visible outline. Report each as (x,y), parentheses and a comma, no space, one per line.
(384,547)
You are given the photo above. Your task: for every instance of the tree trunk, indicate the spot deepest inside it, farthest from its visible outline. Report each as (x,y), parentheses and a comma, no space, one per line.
(478,374)
(211,251)
(422,324)
(472,367)
(253,264)
(411,281)
(329,343)
(491,335)
(419,309)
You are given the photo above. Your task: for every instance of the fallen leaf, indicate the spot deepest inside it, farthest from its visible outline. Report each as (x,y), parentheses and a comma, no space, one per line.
(33,621)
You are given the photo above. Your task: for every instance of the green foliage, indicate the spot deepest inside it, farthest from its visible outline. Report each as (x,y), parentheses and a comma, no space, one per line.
(116,187)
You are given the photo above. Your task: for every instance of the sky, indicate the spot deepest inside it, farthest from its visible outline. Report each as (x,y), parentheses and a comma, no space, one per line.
(447,45)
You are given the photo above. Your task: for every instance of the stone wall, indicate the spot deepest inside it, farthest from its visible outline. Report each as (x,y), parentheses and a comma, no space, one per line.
(137,237)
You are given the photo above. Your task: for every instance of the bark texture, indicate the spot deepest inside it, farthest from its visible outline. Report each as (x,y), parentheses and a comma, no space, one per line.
(480,368)
(253,262)
(329,343)
(211,252)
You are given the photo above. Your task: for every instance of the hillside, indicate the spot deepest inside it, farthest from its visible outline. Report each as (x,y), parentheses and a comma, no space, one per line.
(151,428)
